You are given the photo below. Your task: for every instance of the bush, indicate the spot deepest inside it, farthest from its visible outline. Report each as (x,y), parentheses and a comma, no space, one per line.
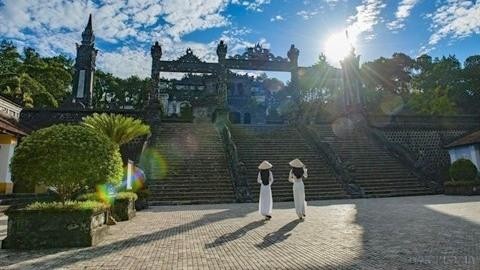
(462,183)
(68,206)
(126,196)
(463,170)
(96,197)
(67,158)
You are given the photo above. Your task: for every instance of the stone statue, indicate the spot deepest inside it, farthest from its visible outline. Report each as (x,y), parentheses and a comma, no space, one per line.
(156,51)
(293,54)
(221,51)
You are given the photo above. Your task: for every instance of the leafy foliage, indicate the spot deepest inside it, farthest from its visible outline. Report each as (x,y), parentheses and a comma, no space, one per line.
(129,196)
(67,158)
(462,183)
(68,206)
(111,92)
(120,129)
(31,80)
(463,170)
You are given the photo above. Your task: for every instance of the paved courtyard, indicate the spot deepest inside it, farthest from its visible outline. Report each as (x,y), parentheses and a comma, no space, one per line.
(430,232)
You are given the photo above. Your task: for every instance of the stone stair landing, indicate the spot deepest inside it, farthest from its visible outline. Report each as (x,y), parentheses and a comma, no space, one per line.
(279,144)
(188,165)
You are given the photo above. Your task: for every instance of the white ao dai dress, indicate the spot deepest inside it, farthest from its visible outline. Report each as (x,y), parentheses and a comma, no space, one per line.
(265,203)
(299,193)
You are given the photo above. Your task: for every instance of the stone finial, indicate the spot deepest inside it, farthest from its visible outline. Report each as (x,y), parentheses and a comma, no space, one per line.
(88,38)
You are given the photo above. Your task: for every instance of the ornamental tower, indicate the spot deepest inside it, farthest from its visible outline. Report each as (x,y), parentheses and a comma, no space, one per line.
(84,68)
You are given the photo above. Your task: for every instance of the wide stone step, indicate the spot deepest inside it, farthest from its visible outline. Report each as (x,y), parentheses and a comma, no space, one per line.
(160,202)
(397,193)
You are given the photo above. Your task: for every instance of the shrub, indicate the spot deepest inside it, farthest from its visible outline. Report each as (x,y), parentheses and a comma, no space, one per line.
(89,206)
(67,158)
(126,196)
(120,129)
(89,197)
(96,197)
(462,183)
(463,170)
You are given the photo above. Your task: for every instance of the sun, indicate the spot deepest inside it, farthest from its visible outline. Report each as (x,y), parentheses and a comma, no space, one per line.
(337,47)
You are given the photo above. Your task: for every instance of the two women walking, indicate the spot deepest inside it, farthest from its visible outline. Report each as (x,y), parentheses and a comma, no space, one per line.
(265,177)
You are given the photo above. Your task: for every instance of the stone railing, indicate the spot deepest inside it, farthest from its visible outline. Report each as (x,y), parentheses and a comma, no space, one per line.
(40,118)
(334,161)
(419,169)
(237,169)
(414,121)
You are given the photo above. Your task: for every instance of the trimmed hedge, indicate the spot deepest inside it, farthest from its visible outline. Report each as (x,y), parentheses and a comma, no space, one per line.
(462,183)
(119,196)
(463,170)
(68,158)
(126,196)
(69,206)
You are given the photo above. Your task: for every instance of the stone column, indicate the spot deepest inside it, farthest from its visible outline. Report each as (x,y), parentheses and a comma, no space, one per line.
(7,147)
(221,112)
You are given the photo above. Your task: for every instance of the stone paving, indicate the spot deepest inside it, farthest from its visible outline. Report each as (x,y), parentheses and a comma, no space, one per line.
(429,232)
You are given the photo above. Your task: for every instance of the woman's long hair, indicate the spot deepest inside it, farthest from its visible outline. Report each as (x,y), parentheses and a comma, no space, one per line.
(298,172)
(265,175)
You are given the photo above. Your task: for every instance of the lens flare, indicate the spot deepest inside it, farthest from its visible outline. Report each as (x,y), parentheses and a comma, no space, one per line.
(137,179)
(106,193)
(342,127)
(391,104)
(155,165)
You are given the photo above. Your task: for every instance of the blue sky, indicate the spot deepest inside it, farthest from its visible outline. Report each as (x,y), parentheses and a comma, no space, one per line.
(125,29)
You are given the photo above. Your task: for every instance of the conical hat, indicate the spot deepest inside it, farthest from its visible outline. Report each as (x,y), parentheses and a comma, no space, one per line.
(265,165)
(296,163)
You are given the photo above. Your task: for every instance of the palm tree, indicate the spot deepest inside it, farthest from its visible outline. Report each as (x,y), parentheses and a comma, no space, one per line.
(121,129)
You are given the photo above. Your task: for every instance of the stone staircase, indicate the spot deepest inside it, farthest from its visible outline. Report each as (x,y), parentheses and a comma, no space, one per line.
(185,163)
(376,171)
(279,144)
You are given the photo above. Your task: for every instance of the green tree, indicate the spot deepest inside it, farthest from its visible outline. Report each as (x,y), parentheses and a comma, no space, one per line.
(31,80)
(434,102)
(120,129)
(67,158)
(470,96)
(111,92)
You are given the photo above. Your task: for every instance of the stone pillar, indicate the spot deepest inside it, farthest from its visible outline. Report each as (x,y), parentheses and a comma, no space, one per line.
(293,54)
(352,84)
(221,112)
(7,147)
(156,53)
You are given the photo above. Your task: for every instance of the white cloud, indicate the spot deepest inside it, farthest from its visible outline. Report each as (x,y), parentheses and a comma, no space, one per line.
(456,19)
(255,5)
(403,11)
(277,18)
(137,61)
(332,3)
(367,16)
(130,26)
(306,15)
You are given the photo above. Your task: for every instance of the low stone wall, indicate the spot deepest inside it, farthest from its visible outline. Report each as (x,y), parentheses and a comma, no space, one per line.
(40,118)
(32,229)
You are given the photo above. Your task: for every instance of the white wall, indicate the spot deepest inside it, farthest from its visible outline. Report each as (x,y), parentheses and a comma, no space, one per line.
(471,152)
